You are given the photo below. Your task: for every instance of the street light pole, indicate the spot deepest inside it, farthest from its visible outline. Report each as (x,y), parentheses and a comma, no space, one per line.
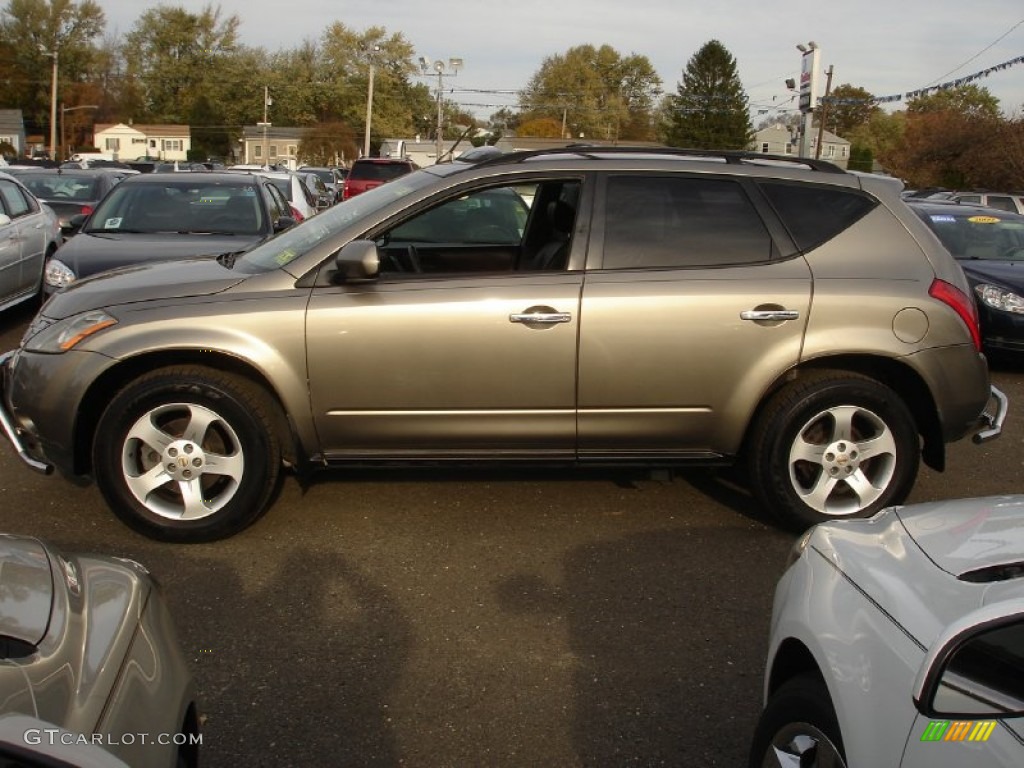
(439,66)
(53,99)
(808,87)
(265,125)
(369,101)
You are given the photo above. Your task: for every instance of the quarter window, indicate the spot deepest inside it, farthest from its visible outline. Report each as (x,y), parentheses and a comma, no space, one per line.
(814,214)
(677,221)
(15,202)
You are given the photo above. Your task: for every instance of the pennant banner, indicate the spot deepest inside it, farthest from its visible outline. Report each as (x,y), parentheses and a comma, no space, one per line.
(924,91)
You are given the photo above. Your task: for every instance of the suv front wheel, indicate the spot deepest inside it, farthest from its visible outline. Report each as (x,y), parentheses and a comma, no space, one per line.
(187,454)
(831,445)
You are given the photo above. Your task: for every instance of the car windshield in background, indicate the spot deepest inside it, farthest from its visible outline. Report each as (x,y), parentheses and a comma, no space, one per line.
(378,171)
(57,188)
(300,240)
(979,235)
(191,206)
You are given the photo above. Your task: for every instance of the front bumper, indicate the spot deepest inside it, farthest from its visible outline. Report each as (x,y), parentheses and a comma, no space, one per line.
(10,428)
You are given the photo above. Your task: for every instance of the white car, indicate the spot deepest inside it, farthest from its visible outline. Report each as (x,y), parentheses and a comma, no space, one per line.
(899,641)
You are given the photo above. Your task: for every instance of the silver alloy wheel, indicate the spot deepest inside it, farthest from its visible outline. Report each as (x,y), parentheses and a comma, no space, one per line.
(842,460)
(801,745)
(182,461)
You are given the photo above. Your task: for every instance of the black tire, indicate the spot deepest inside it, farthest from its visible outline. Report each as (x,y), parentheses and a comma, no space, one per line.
(833,445)
(799,722)
(172,485)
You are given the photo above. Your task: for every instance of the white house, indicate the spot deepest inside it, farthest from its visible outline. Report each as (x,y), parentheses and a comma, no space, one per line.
(133,141)
(778,139)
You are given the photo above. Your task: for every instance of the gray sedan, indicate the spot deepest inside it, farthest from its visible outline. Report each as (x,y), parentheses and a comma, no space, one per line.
(29,234)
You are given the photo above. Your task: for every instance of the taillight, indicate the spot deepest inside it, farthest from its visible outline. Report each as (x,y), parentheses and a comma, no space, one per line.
(86,210)
(296,214)
(961,303)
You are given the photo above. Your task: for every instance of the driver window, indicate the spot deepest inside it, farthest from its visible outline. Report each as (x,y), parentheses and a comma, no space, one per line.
(492,230)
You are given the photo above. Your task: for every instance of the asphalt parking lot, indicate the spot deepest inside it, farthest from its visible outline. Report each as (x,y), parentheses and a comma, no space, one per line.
(470,618)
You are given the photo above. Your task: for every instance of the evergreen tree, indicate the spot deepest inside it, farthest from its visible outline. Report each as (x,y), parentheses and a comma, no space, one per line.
(709,109)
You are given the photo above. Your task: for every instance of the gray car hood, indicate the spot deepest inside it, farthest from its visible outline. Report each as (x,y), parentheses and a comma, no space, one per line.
(86,254)
(143,282)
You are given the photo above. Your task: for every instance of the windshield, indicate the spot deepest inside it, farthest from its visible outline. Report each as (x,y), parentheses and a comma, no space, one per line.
(980,235)
(57,188)
(300,240)
(189,205)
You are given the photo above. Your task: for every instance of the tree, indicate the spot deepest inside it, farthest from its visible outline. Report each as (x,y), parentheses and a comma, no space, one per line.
(709,109)
(848,108)
(29,29)
(327,143)
(971,101)
(595,92)
(541,127)
(172,55)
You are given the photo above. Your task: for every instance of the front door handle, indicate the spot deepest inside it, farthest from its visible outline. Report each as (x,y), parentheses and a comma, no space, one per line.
(540,316)
(762,315)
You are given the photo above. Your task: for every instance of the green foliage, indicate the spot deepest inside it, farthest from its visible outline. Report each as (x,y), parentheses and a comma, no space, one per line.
(848,108)
(971,101)
(861,159)
(595,92)
(327,143)
(709,109)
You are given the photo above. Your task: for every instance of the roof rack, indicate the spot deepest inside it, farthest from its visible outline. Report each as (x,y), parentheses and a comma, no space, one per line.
(733,157)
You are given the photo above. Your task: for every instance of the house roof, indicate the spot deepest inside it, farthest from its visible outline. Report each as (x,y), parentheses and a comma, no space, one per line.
(148,129)
(11,121)
(255,133)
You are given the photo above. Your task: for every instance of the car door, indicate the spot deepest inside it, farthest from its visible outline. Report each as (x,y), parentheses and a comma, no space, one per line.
(22,242)
(687,315)
(460,349)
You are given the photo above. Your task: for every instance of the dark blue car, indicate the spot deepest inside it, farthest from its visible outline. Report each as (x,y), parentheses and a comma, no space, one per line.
(989,245)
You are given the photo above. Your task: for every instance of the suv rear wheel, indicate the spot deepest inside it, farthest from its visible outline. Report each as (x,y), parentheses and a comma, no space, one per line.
(831,445)
(187,454)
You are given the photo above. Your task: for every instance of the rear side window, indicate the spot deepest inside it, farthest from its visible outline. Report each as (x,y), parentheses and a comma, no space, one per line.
(15,201)
(814,214)
(680,221)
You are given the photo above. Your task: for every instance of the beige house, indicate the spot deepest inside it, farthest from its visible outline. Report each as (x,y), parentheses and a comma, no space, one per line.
(132,141)
(276,146)
(778,139)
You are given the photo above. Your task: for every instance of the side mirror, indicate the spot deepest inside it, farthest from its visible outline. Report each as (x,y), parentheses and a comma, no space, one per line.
(358,261)
(283,223)
(74,223)
(975,668)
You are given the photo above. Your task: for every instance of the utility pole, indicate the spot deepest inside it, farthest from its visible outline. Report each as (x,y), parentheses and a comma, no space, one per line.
(265,124)
(824,112)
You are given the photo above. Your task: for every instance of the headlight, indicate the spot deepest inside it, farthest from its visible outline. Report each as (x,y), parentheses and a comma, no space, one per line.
(65,334)
(58,274)
(997,298)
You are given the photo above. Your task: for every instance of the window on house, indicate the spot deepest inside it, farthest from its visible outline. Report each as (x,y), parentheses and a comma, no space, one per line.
(842,151)
(293,150)
(830,150)
(764,147)
(273,150)
(112,144)
(257,151)
(172,145)
(789,148)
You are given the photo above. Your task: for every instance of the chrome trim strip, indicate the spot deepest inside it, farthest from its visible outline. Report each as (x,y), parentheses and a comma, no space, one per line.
(541,317)
(769,314)
(8,424)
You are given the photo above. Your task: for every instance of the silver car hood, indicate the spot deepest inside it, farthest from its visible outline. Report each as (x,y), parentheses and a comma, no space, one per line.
(907,560)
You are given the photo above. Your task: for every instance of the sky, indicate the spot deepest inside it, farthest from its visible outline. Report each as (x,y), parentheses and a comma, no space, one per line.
(888,48)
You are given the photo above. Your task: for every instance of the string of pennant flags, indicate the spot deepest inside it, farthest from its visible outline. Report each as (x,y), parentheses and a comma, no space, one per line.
(924,91)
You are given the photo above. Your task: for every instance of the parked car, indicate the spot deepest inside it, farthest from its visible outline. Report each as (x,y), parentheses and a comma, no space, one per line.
(989,244)
(69,192)
(369,172)
(899,640)
(330,178)
(158,216)
(650,307)
(89,646)
(322,197)
(293,187)
(1001,200)
(29,234)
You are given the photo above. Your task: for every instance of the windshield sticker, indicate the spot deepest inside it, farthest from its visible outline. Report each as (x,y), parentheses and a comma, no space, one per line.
(112,223)
(983,220)
(284,257)
(949,219)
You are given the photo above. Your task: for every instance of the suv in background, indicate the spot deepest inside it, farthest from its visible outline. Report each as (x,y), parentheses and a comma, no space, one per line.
(579,306)
(369,172)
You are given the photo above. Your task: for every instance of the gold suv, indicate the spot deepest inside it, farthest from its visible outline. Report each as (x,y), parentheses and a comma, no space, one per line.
(585,306)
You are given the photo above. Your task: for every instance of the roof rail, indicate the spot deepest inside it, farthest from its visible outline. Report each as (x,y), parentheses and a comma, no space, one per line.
(730,156)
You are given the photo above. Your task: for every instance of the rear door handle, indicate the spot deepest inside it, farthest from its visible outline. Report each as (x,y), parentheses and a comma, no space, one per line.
(540,318)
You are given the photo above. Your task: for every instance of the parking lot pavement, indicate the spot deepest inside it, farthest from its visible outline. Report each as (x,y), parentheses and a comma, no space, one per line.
(495,619)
